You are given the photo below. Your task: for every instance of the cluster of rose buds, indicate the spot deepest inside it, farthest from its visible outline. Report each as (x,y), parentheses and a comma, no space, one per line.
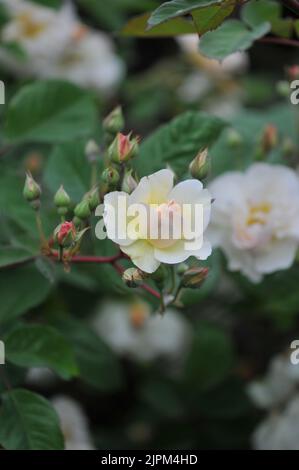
(115,157)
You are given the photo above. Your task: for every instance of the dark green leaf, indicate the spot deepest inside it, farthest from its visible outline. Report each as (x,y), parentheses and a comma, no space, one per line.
(175,8)
(50,111)
(28,422)
(231,36)
(10,255)
(211,357)
(21,289)
(40,346)
(256,12)
(207,19)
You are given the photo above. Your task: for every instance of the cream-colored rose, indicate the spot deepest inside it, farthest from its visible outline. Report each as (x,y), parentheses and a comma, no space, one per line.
(170,210)
(74,423)
(255,219)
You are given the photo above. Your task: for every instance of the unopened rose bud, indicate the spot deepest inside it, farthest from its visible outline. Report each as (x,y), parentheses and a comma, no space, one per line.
(114,122)
(182,268)
(65,234)
(62,201)
(293,72)
(110,176)
(93,198)
(269,138)
(288,147)
(123,148)
(129,183)
(33,162)
(283,88)
(82,210)
(133,277)
(193,278)
(32,191)
(92,151)
(234,139)
(199,168)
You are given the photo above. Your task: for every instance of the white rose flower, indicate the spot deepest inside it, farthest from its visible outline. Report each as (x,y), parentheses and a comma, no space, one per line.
(278,385)
(130,330)
(167,205)
(255,219)
(74,423)
(279,431)
(89,61)
(42,32)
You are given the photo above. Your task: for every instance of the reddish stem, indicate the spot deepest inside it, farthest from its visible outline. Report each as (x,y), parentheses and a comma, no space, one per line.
(145,287)
(280,41)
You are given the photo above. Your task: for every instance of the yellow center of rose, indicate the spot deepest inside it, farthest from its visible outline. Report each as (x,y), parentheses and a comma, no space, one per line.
(168,218)
(258,214)
(30,28)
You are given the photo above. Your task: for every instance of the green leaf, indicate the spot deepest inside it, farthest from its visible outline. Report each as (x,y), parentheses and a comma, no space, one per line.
(98,366)
(67,165)
(178,142)
(177,8)
(256,12)
(21,289)
(231,36)
(28,422)
(40,346)
(283,27)
(50,111)
(207,19)
(10,255)
(137,27)
(211,358)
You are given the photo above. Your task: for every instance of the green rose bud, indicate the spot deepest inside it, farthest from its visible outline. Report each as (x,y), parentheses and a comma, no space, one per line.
(32,190)
(200,166)
(92,151)
(129,183)
(93,198)
(82,210)
(110,176)
(114,122)
(62,201)
(234,139)
(193,278)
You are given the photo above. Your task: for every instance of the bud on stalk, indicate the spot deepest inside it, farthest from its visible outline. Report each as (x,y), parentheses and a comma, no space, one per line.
(93,198)
(269,138)
(92,151)
(200,166)
(62,201)
(129,183)
(65,234)
(193,278)
(114,122)
(133,277)
(110,176)
(32,192)
(123,148)
(82,210)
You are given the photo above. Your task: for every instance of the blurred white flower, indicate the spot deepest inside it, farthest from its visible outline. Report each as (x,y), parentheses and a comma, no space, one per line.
(280,430)
(130,330)
(89,61)
(74,423)
(58,45)
(235,63)
(164,204)
(42,32)
(278,385)
(255,218)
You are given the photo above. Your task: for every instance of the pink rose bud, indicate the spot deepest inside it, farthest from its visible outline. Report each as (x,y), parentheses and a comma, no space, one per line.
(123,148)
(65,234)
